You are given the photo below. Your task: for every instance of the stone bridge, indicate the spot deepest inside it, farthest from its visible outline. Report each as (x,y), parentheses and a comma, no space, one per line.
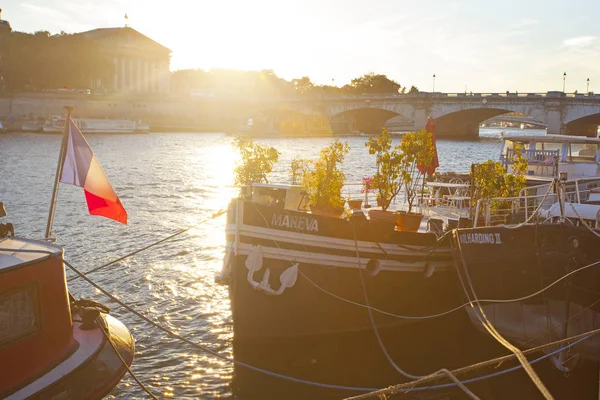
(459,115)
(456,114)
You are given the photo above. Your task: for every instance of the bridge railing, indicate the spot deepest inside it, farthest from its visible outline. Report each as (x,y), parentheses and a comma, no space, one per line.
(552,94)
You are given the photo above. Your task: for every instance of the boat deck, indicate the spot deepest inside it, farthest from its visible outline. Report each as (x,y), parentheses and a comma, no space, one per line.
(441,212)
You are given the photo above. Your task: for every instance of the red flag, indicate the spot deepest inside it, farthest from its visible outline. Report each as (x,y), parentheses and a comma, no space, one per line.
(430,169)
(81,168)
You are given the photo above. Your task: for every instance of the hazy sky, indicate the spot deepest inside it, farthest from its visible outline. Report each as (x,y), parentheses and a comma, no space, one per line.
(489,46)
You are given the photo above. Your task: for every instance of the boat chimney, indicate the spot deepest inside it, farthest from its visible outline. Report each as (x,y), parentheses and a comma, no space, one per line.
(0,14)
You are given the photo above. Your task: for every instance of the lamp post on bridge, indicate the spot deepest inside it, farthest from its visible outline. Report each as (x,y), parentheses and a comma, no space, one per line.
(564,79)
(433,83)
(587,87)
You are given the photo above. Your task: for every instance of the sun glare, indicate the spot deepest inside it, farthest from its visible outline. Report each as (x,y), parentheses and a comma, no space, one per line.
(247,36)
(220,162)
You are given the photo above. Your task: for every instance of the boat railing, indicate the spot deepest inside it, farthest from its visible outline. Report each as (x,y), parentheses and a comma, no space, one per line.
(532,199)
(544,158)
(353,191)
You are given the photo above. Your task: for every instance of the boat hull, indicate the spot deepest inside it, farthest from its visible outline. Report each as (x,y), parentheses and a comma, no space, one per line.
(90,372)
(318,328)
(507,262)
(329,284)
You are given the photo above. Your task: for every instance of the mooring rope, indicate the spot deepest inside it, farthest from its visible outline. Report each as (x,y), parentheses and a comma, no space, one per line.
(442,371)
(534,213)
(182,231)
(409,386)
(480,314)
(135,378)
(583,221)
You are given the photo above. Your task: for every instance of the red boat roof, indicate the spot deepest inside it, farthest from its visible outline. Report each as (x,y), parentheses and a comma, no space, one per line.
(9,259)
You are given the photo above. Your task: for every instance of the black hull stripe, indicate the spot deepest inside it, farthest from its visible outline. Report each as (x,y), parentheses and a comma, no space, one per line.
(421,258)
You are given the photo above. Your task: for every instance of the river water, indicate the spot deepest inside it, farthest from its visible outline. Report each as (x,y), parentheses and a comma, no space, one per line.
(168,182)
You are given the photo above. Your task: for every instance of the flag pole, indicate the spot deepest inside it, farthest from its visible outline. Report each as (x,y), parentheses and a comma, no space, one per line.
(59,167)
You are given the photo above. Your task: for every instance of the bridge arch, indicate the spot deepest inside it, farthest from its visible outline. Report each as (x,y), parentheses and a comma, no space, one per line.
(366,119)
(584,126)
(465,121)
(285,121)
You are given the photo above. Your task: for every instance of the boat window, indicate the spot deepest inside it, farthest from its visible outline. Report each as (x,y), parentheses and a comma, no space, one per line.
(582,152)
(548,146)
(20,314)
(508,144)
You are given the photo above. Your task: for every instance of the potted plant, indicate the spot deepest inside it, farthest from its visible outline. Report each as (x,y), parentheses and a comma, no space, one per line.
(386,181)
(418,151)
(323,180)
(256,162)
(367,187)
(354,204)
(490,180)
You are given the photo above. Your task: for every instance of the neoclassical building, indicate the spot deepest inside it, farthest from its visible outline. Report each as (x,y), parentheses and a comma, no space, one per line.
(141,64)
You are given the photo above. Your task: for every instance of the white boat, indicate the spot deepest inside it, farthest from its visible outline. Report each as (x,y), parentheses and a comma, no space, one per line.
(549,155)
(33,124)
(56,123)
(1,127)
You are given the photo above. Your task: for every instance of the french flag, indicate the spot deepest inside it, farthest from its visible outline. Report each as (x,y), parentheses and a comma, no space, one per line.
(81,168)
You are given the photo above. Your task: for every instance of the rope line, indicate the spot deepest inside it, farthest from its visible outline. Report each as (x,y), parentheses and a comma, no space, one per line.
(583,221)
(182,231)
(373,325)
(482,317)
(534,213)
(474,301)
(406,387)
(443,371)
(135,378)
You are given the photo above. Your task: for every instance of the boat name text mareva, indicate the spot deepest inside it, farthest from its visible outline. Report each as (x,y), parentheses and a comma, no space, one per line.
(295,222)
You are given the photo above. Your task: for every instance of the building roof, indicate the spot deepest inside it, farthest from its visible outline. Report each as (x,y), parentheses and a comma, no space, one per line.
(102,33)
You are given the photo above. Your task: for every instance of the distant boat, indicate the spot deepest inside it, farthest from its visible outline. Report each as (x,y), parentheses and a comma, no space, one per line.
(55,124)
(34,124)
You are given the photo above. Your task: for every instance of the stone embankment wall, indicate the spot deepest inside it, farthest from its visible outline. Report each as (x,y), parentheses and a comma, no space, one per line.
(164,114)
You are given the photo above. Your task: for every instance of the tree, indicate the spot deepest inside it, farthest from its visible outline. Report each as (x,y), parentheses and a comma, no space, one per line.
(372,83)
(303,85)
(413,90)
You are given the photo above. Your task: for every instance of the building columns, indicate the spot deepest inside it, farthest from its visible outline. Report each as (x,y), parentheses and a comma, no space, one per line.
(131,80)
(139,76)
(116,75)
(154,77)
(122,85)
